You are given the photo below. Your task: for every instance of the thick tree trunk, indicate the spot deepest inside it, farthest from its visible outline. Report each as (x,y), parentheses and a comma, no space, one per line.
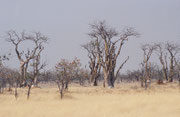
(171,71)
(106,80)
(111,79)
(95,82)
(165,74)
(92,79)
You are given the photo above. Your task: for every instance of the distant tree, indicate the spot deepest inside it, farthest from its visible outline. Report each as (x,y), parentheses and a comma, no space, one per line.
(8,78)
(37,67)
(65,71)
(147,52)
(162,54)
(112,42)
(94,61)
(173,49)
(177,68)
(32,77)
(16,39)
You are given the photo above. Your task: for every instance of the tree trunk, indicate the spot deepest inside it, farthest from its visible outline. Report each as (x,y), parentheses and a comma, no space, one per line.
(165,74)
(171,71)
(93,79)
(66,85)
(16,92)
(106,80)
(22,74)
(111,80)
(35,81)
(95,82)
(29,91)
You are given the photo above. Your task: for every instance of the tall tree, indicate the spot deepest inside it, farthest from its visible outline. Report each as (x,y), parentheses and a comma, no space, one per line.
(112,41)
(173,49)
(177,67)
(162,54)
(94,61)
(147,52)
(37,67)
(16,39)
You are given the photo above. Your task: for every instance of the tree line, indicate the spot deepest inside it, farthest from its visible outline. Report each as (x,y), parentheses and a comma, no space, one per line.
(103,50)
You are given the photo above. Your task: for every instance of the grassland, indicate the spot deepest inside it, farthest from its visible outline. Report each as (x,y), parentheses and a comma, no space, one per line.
(126,100)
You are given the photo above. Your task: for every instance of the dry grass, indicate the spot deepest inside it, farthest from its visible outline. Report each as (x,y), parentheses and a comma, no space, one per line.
(127,100)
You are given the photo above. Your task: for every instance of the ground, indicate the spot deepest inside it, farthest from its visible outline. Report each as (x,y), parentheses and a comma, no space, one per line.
(126,100)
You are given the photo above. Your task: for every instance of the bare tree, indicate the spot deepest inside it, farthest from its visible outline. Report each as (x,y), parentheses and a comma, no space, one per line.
(173,49)
(142,73)
(94,61)
(24,58)
(110,39)
(33,76)
(162,54)
(147,52)
(37,67)
(177,67)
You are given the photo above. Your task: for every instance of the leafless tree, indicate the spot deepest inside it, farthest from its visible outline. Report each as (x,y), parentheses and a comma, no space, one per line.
(94,61)
(173,49)
(147,52)
(142,73)
(33,76)
(113,42)
(37,38)
(177,67)
(162,54)
(37,66)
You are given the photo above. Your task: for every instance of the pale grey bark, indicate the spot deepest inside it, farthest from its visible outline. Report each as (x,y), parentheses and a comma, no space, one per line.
(112,42)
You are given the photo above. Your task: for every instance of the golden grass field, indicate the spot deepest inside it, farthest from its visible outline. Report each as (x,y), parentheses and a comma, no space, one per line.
(126,100)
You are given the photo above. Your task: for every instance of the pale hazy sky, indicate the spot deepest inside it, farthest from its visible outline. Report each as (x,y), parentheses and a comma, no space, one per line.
(65,22)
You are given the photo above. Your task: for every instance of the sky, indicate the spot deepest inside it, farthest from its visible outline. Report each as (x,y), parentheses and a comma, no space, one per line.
(66,23)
